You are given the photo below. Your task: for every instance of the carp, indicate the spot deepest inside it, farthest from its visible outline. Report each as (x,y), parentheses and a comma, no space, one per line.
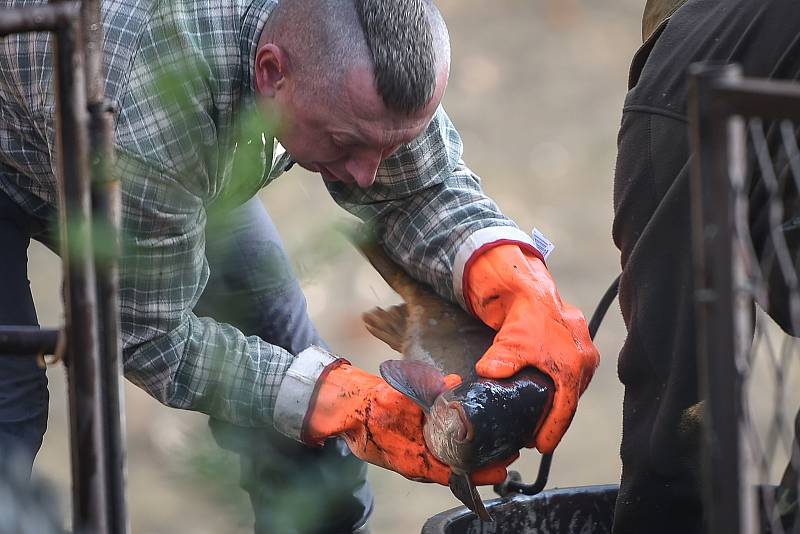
(476,423)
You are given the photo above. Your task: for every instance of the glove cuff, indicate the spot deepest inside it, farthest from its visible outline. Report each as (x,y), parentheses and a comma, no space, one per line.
(485,277)
(340,402)
(489,237)
(299,390)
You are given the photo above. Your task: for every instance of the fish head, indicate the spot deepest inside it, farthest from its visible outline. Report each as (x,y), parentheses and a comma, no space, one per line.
(503,415)
(478,422)
(449,432)
(447,429)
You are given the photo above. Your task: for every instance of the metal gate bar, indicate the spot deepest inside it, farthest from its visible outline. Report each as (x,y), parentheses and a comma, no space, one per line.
(92,328)
(28,340)
(106,223)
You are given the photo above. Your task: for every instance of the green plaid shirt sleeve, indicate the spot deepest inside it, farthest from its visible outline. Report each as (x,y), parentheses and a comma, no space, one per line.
(183,360)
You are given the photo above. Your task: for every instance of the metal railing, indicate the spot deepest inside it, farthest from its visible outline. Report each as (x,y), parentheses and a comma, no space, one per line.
(89,203)
(745,183)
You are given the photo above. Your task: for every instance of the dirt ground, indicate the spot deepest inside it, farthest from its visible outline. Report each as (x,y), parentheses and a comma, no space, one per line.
(536,92)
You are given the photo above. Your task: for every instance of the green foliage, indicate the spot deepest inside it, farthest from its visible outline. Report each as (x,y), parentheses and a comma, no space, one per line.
(294,494)
(322,246)
(205,465)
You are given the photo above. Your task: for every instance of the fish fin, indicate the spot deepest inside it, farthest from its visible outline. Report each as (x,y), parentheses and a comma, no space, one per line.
(419,381)
(466,492)
(388,325)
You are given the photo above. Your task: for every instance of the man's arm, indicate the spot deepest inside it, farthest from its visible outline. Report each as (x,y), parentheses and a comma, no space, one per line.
(180,359)
(203,365)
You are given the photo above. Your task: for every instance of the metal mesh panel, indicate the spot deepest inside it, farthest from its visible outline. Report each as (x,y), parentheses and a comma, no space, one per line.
(765,177)
(746,246)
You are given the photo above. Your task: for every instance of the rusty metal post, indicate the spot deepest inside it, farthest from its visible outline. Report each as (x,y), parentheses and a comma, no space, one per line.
(89,473)
(718,377)
(37,18)
(106,224)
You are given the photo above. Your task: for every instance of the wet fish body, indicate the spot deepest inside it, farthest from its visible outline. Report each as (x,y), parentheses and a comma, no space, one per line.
(495,410)
(476,423)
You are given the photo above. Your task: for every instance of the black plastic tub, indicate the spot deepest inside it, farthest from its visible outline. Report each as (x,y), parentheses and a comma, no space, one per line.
(581,510)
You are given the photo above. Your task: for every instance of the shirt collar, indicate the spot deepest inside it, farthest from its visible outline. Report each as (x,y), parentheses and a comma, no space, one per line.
(253,20)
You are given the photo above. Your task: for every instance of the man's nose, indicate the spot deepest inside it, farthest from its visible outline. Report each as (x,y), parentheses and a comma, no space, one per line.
(363,167)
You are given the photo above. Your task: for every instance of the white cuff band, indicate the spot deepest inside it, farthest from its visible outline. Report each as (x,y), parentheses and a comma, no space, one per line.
(485,236)
(297,388)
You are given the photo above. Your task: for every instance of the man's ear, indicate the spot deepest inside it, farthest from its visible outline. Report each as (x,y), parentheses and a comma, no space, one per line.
(270,69)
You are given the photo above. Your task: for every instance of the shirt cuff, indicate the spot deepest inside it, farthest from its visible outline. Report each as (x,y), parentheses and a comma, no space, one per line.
(493,236)
(298,389)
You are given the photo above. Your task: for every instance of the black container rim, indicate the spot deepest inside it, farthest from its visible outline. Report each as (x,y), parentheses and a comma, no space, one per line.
(439,523)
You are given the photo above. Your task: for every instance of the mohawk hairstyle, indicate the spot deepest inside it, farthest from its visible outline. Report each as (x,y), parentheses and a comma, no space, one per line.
(399,37)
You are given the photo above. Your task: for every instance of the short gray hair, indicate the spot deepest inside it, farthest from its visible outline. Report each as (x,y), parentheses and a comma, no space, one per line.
(400,40)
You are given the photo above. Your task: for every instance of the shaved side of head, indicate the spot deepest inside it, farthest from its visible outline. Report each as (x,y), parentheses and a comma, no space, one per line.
(404,42)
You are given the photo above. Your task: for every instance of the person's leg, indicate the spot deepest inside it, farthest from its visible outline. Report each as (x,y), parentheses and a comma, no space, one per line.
(293,488)
(23,385)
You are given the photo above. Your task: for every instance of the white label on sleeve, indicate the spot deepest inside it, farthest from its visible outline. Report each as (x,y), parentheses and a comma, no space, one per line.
(544,245)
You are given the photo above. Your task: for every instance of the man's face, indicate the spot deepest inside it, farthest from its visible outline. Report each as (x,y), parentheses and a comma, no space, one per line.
(346,133)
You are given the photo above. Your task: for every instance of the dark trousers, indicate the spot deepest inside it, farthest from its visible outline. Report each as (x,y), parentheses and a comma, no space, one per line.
(23,385)
(293,488)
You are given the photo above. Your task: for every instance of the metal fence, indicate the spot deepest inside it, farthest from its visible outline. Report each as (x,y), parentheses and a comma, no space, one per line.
(89,212)
(746,238)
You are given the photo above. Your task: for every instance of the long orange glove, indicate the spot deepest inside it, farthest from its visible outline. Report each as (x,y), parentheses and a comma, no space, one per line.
(380,425)
(512,291)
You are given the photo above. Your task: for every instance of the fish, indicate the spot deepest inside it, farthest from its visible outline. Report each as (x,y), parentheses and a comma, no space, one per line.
(476,423)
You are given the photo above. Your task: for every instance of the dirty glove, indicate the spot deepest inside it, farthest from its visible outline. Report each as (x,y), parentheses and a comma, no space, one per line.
(380,425)
(511,291)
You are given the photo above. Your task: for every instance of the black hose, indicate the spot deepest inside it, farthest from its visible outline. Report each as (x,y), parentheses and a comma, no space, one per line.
(602,307)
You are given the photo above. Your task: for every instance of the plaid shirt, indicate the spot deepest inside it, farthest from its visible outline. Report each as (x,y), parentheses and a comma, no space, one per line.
(176,162)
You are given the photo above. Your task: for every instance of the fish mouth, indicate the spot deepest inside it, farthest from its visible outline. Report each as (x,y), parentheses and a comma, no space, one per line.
(467,430)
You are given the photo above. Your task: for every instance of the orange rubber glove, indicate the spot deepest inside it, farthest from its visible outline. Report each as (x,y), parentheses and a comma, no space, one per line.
(511,290)
(380,425)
